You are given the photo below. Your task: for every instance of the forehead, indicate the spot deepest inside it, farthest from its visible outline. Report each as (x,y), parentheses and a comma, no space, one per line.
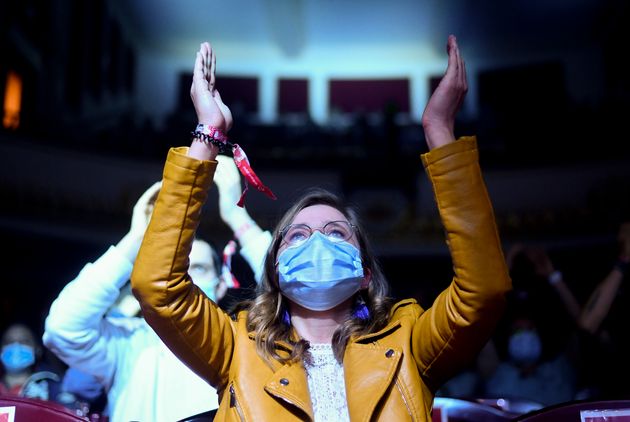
(18,334)
(318,215)
(201,252)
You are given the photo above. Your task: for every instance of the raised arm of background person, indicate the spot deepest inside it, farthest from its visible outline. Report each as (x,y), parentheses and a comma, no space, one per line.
(601,300)
(462,318)
(254,242)
(75,329)
(545,269)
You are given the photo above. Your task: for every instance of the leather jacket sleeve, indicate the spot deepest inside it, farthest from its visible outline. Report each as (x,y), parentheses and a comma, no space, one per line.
(193,326)
(464,315)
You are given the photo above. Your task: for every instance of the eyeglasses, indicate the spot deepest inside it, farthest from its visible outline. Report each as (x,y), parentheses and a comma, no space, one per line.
(336,231)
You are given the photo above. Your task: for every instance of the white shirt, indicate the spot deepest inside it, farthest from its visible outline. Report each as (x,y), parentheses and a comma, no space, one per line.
(326,384)
(143,379)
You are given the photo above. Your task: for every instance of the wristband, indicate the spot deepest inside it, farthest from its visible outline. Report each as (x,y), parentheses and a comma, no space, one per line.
(212,132)
(211,135)
(241,230)
(555,277)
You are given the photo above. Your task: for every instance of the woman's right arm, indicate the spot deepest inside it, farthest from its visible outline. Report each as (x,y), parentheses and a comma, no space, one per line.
(189,323)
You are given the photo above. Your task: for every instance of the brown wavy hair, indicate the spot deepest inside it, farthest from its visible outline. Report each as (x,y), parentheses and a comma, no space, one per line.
(267,310)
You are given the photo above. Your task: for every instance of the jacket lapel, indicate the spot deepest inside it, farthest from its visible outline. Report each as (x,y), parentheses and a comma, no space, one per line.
(369,370)
(289,384)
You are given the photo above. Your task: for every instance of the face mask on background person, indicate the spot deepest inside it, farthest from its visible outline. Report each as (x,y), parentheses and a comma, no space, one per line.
(525,347)
(16,357)
(320,273)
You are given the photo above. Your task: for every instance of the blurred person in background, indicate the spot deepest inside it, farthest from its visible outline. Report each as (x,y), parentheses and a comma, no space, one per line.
(605,342)
(23,373)
(143,379)
(536,341)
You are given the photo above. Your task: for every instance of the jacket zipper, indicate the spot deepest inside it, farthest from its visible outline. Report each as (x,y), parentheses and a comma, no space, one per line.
(404,399)
(234,403)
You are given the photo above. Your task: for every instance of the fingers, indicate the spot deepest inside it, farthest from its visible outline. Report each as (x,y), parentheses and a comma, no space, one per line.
(202,52)
(144,207)
(457,69)
(150,194)
(452,67)
(225,110)
(456,63)
(213,69)
(208,65)
(461,68)
(199,79)
(460,65)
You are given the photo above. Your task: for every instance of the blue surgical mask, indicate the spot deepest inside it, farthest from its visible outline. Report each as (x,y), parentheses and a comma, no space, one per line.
(525,347)
(16,357)
(319,274)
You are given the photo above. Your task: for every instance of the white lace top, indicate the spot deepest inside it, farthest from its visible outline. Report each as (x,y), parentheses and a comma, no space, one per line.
(326,384)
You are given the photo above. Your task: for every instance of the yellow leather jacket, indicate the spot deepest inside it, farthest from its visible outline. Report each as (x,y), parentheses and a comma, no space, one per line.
(390,375)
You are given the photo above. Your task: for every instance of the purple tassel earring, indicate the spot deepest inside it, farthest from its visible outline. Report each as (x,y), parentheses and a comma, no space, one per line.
(361,310)
(286,318)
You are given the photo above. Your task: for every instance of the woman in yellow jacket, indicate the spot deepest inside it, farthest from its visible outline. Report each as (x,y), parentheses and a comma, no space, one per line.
(322,341)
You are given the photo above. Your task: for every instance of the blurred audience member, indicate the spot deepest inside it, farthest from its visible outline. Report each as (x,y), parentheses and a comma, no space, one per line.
(605,341)
(143,379)
(536,340)
(23,373)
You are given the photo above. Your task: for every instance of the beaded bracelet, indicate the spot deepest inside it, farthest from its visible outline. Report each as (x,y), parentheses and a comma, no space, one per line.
(212,132)
(211,135)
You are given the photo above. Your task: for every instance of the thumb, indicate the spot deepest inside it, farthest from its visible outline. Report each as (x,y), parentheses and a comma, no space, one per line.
(225,110)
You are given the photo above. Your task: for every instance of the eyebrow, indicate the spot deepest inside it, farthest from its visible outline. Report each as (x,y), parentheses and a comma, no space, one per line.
(327,222)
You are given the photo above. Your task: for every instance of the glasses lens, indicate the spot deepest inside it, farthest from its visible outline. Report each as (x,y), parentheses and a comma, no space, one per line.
(295,234)
(338,231)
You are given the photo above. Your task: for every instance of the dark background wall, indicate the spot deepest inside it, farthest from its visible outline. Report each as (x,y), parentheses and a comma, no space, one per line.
(105,93)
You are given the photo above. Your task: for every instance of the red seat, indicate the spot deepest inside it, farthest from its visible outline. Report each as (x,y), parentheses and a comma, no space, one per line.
(27,410)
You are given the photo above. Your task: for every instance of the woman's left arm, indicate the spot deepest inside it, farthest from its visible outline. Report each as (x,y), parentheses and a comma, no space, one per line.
(462,318)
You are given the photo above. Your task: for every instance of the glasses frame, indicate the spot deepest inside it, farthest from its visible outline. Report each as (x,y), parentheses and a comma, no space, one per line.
(321,229)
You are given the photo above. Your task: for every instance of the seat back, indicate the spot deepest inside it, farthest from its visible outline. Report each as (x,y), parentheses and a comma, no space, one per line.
(17,409)
(578,411)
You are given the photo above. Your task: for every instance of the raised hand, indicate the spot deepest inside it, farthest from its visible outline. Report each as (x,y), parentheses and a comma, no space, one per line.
(143,209)
(130,243)
(438,118)
(207,101)
(543,266)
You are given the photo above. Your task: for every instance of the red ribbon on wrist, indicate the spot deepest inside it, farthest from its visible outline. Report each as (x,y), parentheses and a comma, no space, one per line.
(210,134)
(250,176)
